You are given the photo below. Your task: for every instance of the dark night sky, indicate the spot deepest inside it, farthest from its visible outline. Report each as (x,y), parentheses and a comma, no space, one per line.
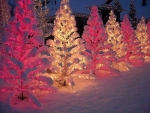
(80,6)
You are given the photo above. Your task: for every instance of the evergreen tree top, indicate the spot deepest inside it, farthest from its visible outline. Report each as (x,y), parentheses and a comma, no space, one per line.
(64,1)
(132,11)
(94,10)
(142,22)
(112,16)
(132,6)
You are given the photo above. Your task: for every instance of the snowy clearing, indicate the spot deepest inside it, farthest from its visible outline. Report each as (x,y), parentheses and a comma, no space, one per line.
(127,93)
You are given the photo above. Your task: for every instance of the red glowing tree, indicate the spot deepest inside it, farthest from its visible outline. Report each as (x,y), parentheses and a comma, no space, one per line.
(100,54)
(20,60)
(133,52)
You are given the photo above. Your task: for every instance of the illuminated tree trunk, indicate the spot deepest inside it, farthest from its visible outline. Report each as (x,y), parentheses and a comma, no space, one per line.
(64,70)
(21,87)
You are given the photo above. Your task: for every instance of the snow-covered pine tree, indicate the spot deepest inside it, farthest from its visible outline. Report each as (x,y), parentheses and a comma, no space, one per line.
(132,14)
(99,53)
(4,15)
(142,35)
(42,13)
(20,55)
(66,48)
(116,39)
(133,53)
(114,34)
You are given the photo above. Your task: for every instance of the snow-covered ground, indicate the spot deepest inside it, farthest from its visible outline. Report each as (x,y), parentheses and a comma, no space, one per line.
(127,93)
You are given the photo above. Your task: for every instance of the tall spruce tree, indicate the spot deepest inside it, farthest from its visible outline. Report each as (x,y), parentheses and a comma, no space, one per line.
(132,14)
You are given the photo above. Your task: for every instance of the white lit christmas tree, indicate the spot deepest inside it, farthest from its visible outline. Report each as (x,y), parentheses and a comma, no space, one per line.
(114,35)
(4,14)
(116,39)
(42,13)
(142,35)
(66,48)
(99,53)
(148,28)
(20,60)
(133,53)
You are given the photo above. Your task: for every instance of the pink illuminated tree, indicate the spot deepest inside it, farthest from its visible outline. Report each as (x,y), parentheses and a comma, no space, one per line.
(100,54)
(20,61)
(133,53)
